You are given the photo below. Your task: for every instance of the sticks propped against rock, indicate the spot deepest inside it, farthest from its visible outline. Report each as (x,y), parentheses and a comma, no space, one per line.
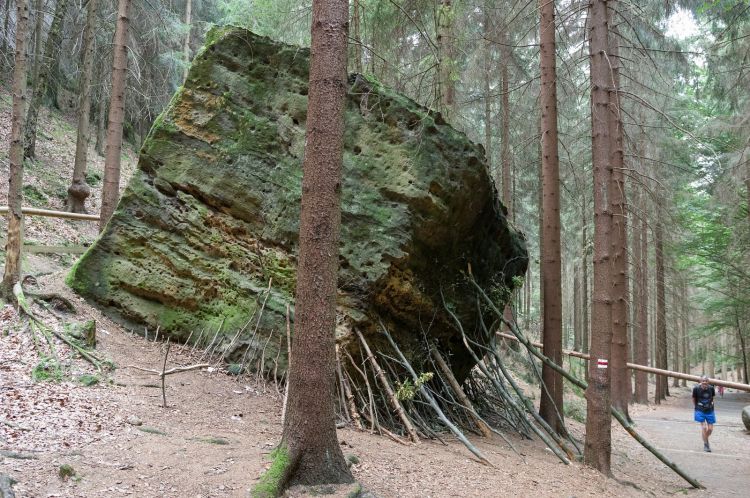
(392,399)
(583,385)
(427,396)
(460,394)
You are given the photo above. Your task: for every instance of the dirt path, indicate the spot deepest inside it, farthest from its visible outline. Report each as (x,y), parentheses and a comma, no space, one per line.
(725,471)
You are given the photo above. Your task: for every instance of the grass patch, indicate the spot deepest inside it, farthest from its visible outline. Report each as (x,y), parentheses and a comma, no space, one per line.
(151,430)
(88,380)
(213,440)
(35,196)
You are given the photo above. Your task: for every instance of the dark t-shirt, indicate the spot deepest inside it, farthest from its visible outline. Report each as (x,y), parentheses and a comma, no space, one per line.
(704,398)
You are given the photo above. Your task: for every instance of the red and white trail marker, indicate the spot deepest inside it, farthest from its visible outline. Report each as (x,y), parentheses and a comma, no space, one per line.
(602,363)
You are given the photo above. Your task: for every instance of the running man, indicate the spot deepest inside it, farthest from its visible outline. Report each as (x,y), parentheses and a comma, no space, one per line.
(703,400)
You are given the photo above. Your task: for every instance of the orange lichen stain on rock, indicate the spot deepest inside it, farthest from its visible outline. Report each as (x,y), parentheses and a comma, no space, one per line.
(194,112)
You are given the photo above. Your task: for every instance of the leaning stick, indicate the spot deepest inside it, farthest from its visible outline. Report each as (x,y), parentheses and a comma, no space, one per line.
(426,395)
(171,370)
(389,391)
(460,394)
(370,397)
(583,385)
(164,377)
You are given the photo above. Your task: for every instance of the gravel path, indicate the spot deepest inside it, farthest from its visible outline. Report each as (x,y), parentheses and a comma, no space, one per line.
(725,471)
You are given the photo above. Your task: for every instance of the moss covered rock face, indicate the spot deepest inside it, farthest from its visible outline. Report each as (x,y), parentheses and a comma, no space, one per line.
(211,217)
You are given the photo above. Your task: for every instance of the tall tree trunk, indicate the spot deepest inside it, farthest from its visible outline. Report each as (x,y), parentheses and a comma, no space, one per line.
(598,447)
(309,435)
(685,341)
(186,45)
(576,308)
(101,121)
(79,189)
(487,56)
(585,280)
(640,333)
(38,34)
(551,403)
(661,314)
(620,375)
(111,188)
(505,130)
(6,21)
(741,342)
(357,36)
(12,272)
(447,61)
(40,86)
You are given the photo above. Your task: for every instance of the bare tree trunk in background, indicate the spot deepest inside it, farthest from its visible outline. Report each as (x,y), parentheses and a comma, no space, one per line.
(487,56)
(677,338)
(186,45)
(79,191)
(620,375)
(38,35)
(111,188)
(505,130)
(741,342)
(357,36)
(661,313)
(309,434)
(685,325)
(577,308)
(598,447)
(6,20)
(447,61)
(101,122)
(585,282)
(12,273)
(640,331)
(51,47)
(551,403)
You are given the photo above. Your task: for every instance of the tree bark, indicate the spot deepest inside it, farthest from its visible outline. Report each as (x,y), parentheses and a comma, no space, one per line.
(309,427)
(576,308)
(505,130)
(79,189)
(40,85)
(640,332)
(186,45)
(585,339)
(38,34)
(357,36)
(487,55)
(111,188)
(598,447)
(661,313)
(551,402)
(446,63)
(101,128)
(12,272)
(620,376)
(6,20)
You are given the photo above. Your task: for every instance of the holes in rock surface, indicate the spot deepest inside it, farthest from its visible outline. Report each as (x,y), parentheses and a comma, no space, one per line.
(295,121)
(357,150)
(303,91)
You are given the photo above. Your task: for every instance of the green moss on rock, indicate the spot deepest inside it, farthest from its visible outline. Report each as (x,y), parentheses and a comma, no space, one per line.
(212,214)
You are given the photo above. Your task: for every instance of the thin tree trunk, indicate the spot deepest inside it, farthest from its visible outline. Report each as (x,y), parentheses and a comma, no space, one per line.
(12,272)
(40,85)
(685,341)
(309,432)
(446,63)
(101,128)
(640,333)
(79,189)
(487,55)
(505,130)
(551,403)
(357,36)
(576,309)
(743,348)
(111,188)
(186,45)
(618,204)
(598,447)
(661,313)
(585,282)
(6,20)
(38,34)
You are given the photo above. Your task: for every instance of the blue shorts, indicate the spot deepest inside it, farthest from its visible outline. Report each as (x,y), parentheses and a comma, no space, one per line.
(709,417)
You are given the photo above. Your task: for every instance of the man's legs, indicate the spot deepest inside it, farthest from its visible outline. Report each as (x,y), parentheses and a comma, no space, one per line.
(706,430)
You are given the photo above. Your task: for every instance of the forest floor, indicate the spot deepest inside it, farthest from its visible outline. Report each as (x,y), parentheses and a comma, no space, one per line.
(215,435)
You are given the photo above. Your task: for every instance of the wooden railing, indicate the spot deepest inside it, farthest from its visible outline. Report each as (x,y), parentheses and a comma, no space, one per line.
(47,249)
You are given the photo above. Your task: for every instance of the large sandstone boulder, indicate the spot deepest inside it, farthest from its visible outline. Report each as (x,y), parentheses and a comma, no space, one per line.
(211,216)
(746,417)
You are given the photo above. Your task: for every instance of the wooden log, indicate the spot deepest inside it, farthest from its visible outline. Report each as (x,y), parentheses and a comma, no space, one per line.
(53,214)
(643,368)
